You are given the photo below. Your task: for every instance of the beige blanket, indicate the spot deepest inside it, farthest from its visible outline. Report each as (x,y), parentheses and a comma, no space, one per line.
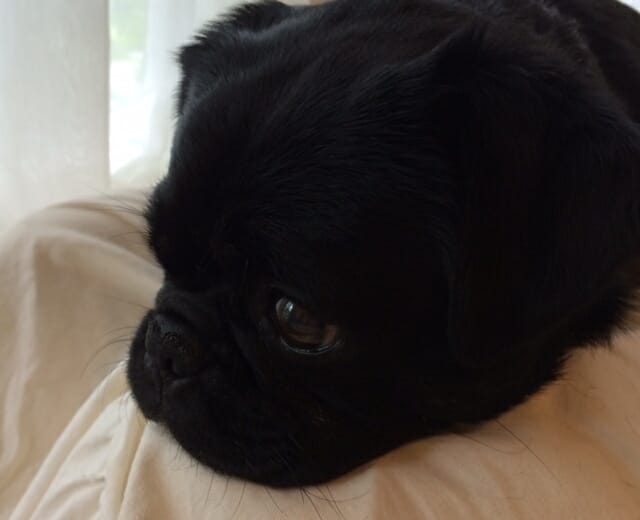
(75,279)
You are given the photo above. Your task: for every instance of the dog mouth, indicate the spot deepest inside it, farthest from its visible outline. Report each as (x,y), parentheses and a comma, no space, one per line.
(163,387)
(151,389)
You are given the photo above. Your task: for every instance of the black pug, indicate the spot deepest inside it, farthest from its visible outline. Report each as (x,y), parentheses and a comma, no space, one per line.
(385,219)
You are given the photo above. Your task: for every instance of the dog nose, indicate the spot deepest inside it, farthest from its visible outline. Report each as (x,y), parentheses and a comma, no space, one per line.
(173,347)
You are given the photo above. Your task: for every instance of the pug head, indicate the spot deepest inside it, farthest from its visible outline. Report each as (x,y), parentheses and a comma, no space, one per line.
(381,221)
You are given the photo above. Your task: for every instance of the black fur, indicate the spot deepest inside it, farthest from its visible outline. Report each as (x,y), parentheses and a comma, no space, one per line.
(454,183)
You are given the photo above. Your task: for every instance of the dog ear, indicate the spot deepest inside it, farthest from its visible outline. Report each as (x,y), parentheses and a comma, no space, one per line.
(548,191)
(203,61)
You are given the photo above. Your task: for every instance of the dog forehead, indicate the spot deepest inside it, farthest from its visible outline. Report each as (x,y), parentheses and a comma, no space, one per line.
(294,143)
(228,169)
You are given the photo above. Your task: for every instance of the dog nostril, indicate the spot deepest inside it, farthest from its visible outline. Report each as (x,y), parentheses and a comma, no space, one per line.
(169,349)
(175,349)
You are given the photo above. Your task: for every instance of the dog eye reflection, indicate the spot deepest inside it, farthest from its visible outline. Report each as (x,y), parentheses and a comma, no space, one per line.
(301,331)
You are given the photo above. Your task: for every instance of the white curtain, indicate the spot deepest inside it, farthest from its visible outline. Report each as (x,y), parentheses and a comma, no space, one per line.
(54,92)
(74,122)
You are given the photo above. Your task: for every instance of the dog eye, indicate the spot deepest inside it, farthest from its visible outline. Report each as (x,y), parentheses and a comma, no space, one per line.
(301,331)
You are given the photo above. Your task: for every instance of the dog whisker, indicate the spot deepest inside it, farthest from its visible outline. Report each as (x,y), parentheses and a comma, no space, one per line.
(530,450)
(235,511)
(224,491)
(313,504)
(128,302)
(111,343)
(273,500)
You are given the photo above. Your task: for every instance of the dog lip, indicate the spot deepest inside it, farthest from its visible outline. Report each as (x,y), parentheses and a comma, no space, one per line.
(164,386)
(160,391)
(175,385)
